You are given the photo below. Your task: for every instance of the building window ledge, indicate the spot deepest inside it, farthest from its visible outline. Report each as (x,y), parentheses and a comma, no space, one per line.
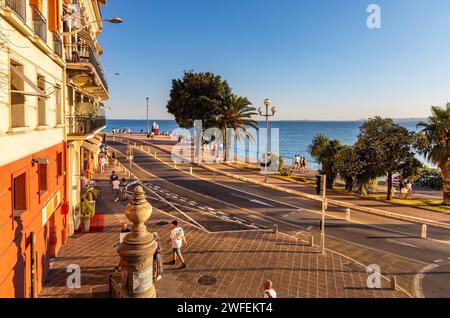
(19,130)
(42,127)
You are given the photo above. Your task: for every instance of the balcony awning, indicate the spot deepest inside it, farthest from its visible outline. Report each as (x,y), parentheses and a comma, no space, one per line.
(37,91)
(91,146)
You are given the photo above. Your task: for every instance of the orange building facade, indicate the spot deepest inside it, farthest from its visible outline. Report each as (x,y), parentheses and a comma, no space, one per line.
(32,201)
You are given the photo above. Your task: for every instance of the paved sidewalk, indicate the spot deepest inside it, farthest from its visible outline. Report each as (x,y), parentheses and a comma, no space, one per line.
(166,144)
(236,262)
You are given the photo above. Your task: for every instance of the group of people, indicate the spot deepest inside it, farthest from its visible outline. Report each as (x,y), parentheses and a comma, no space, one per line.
(122,131)
(119,187)
(104,157)
(300,163)
(405,189)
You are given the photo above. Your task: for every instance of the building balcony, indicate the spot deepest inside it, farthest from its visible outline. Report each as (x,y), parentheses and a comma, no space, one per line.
(86,70)
(88,119)
(57,44)
(39,23)
(19,7)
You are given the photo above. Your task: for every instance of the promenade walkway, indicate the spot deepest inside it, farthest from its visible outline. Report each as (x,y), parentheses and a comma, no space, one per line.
(235,263)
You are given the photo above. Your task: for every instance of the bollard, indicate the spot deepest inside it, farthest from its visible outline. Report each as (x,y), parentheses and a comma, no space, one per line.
(311,241)
(393,283)
(275,229)
(190,171)
(347,214)
(424,231)
(155,154)
(175,165)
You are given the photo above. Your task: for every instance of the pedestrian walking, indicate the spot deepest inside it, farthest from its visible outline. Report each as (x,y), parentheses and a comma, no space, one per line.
(403,190)
(409,190)
(177,239)
(116,189)
(157,258)
(269,292)
(114,158)
(123,189)
(114,176)
(102,163)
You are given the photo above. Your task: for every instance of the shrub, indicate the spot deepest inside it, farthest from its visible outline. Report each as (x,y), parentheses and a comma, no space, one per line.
(429,177)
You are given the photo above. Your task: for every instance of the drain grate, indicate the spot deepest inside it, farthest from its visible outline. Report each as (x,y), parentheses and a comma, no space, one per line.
(207,280)
(162,223)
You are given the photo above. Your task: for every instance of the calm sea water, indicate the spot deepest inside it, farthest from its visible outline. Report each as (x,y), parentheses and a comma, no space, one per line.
(295,136)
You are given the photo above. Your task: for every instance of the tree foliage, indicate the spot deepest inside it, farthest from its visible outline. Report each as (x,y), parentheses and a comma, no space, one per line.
(198,96)
(435,144)
(324,151)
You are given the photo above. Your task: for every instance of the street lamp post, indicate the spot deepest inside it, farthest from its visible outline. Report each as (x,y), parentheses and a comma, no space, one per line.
(148,126)
(324,208)
(267,103)
(115,20)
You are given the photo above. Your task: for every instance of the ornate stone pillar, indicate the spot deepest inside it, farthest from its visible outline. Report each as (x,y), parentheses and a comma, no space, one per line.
(137,250)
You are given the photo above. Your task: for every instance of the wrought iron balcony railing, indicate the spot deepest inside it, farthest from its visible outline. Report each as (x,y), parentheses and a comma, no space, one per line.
(57,44)
(81,125)
(19,7)
(39,23)
(87,119)
(82,53)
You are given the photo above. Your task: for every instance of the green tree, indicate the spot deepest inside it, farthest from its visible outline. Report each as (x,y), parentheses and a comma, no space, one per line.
(324,151)
(347,166)
(198,96)
(436,146)
(237,115)
(385,148)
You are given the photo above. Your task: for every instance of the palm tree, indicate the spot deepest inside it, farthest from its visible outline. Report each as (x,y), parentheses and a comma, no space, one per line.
(325,152)
(437,147)
(237,115)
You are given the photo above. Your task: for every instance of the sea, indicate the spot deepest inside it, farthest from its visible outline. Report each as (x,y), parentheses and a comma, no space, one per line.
(294,136)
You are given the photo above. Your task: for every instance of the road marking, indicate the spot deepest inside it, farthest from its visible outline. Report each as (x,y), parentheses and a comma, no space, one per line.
(438,261)
(402,243)
(252,200)
(418,279)
(309,228)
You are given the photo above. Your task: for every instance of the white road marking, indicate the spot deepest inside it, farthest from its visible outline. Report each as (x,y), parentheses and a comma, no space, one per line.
(252,200)
(402,243)
(309,228)
(438,261)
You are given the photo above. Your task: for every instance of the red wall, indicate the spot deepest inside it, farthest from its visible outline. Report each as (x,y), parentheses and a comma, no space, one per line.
(15,269)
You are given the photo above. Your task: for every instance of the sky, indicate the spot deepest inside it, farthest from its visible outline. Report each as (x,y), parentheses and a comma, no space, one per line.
(315,59)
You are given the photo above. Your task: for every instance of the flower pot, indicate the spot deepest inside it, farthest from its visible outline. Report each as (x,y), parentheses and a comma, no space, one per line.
(85,224)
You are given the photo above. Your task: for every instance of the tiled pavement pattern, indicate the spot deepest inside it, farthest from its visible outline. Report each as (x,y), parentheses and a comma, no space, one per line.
(239,262)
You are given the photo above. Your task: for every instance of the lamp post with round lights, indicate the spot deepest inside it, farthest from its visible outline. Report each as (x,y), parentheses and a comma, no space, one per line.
(273,110)
(148,126)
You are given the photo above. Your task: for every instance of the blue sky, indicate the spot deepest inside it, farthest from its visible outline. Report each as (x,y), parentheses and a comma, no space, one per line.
(315,59)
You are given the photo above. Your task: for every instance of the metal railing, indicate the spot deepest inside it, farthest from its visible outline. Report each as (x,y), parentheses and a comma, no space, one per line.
(19,7)
(57,44)
(39,23)
(115,290)
(94,58)
(82,125)
(83,53)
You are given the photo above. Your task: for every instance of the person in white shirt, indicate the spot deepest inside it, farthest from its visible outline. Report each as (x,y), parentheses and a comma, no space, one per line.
(116,189)
(177,239)
(269,292)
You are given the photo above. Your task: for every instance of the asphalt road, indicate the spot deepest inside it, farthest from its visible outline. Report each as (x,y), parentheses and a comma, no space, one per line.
(228,204)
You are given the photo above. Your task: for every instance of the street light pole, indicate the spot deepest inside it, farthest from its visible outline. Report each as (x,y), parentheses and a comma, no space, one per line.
(267,103)
(148,127)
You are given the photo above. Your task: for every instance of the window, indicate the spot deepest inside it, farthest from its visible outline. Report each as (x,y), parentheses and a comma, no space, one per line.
(20,193)
(59,164)
(59,110)
(41,111)
(43,180)
(17,96)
